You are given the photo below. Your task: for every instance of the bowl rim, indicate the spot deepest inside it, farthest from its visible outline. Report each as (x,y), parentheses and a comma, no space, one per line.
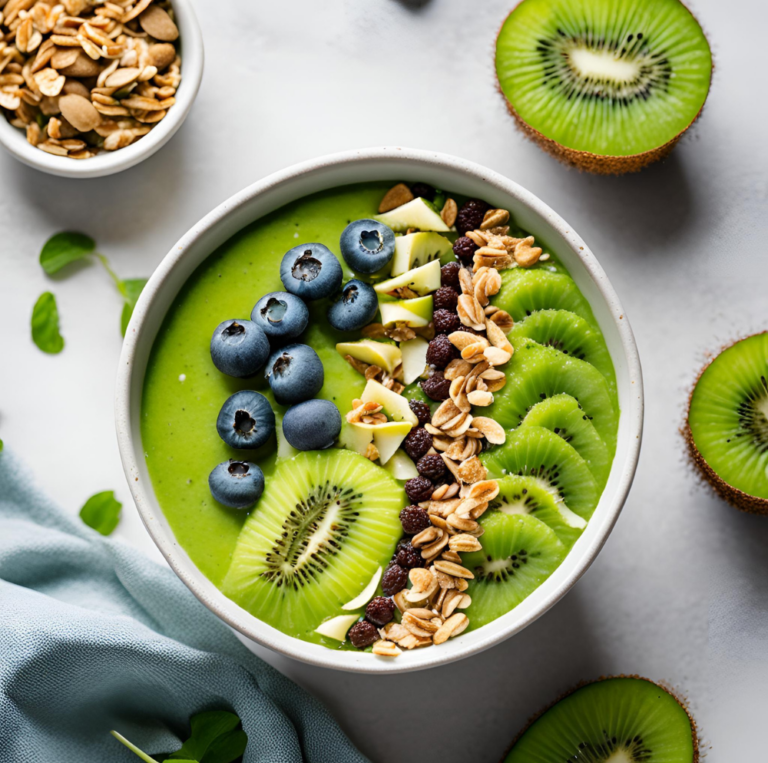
(247,627)
(105,163)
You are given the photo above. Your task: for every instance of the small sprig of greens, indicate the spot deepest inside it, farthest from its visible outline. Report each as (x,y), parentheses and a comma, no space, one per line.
(67,247)
(45,324)
(216,736)
(102,512)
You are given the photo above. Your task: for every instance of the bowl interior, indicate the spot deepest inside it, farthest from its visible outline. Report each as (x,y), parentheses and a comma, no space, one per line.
(107,163)
(395,165)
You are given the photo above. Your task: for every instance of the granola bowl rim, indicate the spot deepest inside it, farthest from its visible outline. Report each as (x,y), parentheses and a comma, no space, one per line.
(190,41)
(272,192)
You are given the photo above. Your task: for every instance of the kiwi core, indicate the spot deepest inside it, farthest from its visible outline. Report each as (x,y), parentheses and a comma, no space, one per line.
(753,417)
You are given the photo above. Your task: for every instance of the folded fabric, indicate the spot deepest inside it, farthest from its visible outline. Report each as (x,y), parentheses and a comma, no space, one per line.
(95,636)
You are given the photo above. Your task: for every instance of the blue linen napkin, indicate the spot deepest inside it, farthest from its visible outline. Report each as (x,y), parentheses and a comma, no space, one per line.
(95,636)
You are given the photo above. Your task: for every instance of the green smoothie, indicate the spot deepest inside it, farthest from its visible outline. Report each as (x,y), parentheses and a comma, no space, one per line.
(183,391)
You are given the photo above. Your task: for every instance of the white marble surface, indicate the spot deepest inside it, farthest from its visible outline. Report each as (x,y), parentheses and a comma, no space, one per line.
(679,592)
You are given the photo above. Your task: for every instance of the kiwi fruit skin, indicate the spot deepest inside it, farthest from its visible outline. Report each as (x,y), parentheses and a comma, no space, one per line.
(582,684)
(750,504)
(586,161)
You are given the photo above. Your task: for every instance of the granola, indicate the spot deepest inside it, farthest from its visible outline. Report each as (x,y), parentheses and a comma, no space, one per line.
(82,77)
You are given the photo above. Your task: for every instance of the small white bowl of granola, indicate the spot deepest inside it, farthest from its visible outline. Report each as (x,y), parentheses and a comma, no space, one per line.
(88,91)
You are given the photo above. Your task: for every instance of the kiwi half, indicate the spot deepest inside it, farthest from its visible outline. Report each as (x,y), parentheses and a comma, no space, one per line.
(519,554)
(608,86)
(727,424)
(623,719)
(326,521)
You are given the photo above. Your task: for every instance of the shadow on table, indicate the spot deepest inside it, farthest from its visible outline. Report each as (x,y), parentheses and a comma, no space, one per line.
(649,210)
(738,607)
(471,709)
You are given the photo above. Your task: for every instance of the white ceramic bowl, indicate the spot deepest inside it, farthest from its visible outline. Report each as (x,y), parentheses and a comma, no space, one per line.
(276,190)
(110,162)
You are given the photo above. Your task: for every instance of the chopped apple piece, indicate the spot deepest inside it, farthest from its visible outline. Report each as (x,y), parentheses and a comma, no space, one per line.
(387,437)
(414,312)
(414,353)
(401,467)
(418,213)
(416,249)
(366,594)
(337,627)
(423,280)
(395,406)
(381,354)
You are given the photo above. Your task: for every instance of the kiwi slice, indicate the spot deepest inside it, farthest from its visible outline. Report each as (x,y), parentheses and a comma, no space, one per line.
(604,85)
(623,719)
(563,415)
(536,452)
(526,290)
(326,521)
(528,496)
(572,335)
(519,554)
(727,428)
(536,373)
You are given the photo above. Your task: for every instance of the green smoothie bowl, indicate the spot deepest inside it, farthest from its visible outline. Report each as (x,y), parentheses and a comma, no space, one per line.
(379,411)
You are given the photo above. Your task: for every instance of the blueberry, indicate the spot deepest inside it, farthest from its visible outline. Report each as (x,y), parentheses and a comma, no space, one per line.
(237,484)
(313,425)
(239,348)
(246,420)
(356,307)
(281,315)
(295,373)
(311,271)
(367,245)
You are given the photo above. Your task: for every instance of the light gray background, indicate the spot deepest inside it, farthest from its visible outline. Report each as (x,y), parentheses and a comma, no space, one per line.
(680,592)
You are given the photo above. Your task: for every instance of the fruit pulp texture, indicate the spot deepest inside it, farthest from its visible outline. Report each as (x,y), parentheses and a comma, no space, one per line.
(602,76)
(183,391)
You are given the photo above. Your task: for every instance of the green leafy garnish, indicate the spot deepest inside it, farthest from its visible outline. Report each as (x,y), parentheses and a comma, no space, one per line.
(102,512)
(131,290)
(63,248)
(45,324)
(215,736)
(66,247)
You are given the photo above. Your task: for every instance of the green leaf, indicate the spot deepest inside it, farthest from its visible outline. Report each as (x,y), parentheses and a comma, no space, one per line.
(132,747)
(63,248)
(132,288)
(227,748)
(206,728)
(45,324)
(102,512)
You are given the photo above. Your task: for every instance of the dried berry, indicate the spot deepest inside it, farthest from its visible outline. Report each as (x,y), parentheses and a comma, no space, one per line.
(470,215)
(445,322)
(441,352)
(445,298)
(394,579)
(417,442)
(436,387)
(380,610)
(449,274)
(407,556)
(423,414)
(419,489)
(414,519)
(431,466)
(363,634)
(464,249)
(425,191)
